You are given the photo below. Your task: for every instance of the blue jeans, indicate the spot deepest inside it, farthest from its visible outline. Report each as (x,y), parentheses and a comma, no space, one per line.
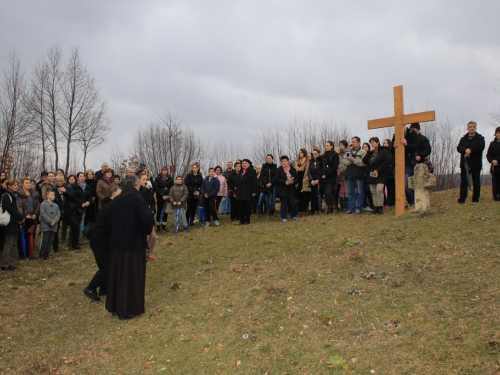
(260,202)
(355,190)
(410,195)
(226,205)
(270,199)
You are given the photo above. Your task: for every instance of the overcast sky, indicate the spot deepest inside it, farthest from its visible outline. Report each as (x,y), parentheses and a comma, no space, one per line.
(232,68)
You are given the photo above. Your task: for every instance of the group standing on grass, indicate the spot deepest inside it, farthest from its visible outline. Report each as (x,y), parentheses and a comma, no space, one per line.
(124,217)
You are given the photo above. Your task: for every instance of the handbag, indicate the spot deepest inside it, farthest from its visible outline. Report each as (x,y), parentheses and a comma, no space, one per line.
(4,216)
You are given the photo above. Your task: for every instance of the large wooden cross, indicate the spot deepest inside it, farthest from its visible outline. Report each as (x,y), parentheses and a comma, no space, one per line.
(399,120)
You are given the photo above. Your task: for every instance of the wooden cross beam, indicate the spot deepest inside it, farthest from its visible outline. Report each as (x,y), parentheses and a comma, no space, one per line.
(399,120)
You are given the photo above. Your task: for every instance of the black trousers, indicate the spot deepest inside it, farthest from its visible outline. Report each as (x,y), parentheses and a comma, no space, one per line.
(314,199)
(234,208)
(102,255)
(475,174)
(75,231)
(209,204)
(495,185)
(244,211)
(192,203)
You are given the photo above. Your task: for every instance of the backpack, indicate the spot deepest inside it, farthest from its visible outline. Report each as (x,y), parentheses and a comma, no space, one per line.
(4,215)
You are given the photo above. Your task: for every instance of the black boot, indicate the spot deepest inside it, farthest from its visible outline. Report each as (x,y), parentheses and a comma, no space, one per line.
(158,227)
(381,210)
(164,228)
(375,210)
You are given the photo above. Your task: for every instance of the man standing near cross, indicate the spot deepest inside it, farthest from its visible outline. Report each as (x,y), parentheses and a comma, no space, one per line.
(398,121)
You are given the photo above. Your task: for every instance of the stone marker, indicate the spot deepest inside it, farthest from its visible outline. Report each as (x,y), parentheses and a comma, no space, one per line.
(422,182)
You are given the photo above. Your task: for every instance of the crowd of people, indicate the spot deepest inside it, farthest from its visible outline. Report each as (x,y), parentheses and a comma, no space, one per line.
(124,217)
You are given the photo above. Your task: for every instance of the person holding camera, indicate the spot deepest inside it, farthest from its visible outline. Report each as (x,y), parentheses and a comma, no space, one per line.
(378,160)
(355,175)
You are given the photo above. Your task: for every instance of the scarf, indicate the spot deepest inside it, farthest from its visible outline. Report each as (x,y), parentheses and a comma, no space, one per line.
(287,171)
(83,185)
(373,156)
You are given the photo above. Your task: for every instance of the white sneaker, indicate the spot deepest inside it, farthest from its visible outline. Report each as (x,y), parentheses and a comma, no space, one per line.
(367,209)
(216,222)
(196,221)
(207,224)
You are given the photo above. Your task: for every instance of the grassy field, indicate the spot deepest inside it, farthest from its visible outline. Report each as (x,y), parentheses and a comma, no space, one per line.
(345,294)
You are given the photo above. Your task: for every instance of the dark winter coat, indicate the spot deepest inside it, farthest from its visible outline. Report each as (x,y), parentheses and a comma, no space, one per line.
(148,196)
(281,186)
(494,154)
(66,201)
(424,148)
(232,182)
(92,185)
(411,147)
(101,229)
(210,187)
(247,185)
(131,221)
(83,196)
(193,182)
(381,164)
(9,204)
(162,187)
(476,145)
(329,166)
(267,175)
(315,169)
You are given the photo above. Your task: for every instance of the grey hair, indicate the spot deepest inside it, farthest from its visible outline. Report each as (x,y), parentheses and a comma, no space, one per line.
(113,190)
(131,180)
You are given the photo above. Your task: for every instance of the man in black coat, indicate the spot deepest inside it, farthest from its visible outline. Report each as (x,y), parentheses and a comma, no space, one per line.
(471,147)
(131,221)
(101,247)
(66,200)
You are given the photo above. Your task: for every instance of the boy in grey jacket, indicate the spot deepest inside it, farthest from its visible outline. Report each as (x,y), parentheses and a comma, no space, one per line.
(178,196)
(50,215)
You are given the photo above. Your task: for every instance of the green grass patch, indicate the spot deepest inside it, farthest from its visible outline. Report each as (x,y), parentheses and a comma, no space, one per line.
(331,294)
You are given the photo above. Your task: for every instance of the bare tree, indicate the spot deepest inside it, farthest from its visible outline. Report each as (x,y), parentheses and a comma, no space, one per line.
(81,107)
(95,132)
(289,138)
(167,143)
(14,124)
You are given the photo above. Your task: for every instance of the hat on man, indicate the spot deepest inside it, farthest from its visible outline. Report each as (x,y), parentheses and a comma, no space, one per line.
(415,125)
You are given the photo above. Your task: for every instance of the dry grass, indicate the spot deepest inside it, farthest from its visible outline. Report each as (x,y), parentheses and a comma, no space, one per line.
(331,294)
